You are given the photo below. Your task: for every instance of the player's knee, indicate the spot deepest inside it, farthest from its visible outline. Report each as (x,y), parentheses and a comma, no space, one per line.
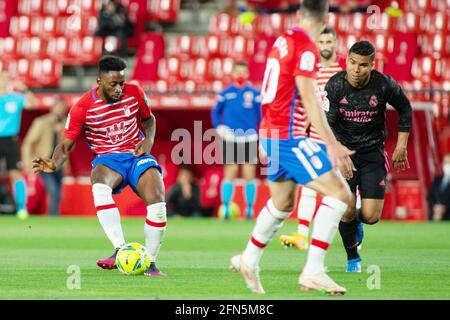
(371,220)
(345,196)
(278,211)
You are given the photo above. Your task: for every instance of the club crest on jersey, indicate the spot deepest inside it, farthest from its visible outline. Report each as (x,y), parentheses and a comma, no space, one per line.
(126,110)
(373,101)
(116,132)
(248,99)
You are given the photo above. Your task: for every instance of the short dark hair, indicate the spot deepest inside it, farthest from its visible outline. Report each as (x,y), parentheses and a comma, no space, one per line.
(111,63)
(329,30)
(363,48)
(316,9)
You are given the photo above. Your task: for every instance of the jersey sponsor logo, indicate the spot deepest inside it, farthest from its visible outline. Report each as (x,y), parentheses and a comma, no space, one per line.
(307,61)
(144,161)
(373,102)
(115,132)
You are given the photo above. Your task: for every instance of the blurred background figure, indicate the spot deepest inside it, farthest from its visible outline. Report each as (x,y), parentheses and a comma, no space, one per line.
(14,97)
(42,137)
(236,118)
(114,21)
(183,198)
(439,194)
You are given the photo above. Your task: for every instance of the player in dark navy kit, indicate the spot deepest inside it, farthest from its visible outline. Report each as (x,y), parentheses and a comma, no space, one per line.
(356,112)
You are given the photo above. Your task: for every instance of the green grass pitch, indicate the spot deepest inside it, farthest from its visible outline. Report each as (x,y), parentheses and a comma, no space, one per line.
(413,260)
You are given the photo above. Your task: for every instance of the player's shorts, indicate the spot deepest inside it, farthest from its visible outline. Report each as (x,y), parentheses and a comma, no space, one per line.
(240,152)
(372,168)
(129,167)
(9,150)
(300,160)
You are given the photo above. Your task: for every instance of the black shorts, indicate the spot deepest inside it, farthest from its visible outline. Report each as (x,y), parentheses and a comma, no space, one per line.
(240,152)
(371,171)
(9,150)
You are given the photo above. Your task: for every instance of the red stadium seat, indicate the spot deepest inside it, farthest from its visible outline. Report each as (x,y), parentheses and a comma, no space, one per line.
(84,7)
(270,24)
(199,70)
(30,7)
(213,45)
(169,69)
(242,47)
(20,26)
(19,69)
(33,47)
(427,69)
(435,22)
(224,23)
(9,48)
(163,10)
(199,47)
(408,22)
(180,46)
(43,26)
(55,8)
(57,48)
(45,73)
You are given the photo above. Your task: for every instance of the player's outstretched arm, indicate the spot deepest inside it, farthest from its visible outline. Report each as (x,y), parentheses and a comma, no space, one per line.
(339,154)
(145,146)
(60,155)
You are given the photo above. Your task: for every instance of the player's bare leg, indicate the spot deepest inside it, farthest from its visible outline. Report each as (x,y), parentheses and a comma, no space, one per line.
(305,213)
(270,219)
(230,173)
(150,189)
(104,180)
(249,174)
(369,213)
(337,198)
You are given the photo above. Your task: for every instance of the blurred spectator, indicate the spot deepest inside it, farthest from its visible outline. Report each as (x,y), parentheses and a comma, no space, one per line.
(14,97)
(439,194)
(42,137)
(236,117)
(184,197)
(114,21)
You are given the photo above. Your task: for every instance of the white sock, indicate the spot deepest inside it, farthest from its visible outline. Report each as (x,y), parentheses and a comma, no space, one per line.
(267,224)
(306,209)
(108,214)
(154,228)
(325,226)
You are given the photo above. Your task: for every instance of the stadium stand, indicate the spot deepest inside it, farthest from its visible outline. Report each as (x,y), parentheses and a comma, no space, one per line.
(183,71)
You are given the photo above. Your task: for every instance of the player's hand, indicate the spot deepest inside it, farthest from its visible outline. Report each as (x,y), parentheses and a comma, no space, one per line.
(400,159)
(340,158)
(143,147)
(44,165)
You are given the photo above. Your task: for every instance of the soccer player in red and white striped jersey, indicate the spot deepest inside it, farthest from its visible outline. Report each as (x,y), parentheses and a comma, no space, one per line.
(330,64)
(109,115)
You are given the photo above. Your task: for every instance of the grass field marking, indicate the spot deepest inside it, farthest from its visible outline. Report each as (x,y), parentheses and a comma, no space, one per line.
(374,280)
(74,279)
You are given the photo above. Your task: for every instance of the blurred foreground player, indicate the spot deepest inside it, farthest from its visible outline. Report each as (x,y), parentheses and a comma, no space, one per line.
(289,101)
(357,99)
(109,116)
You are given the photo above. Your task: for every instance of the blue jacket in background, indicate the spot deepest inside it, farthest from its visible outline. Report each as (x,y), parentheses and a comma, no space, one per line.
(238,108)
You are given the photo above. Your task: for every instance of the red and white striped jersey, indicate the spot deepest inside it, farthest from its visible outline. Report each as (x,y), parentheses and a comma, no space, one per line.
(325,73)
(109,127)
